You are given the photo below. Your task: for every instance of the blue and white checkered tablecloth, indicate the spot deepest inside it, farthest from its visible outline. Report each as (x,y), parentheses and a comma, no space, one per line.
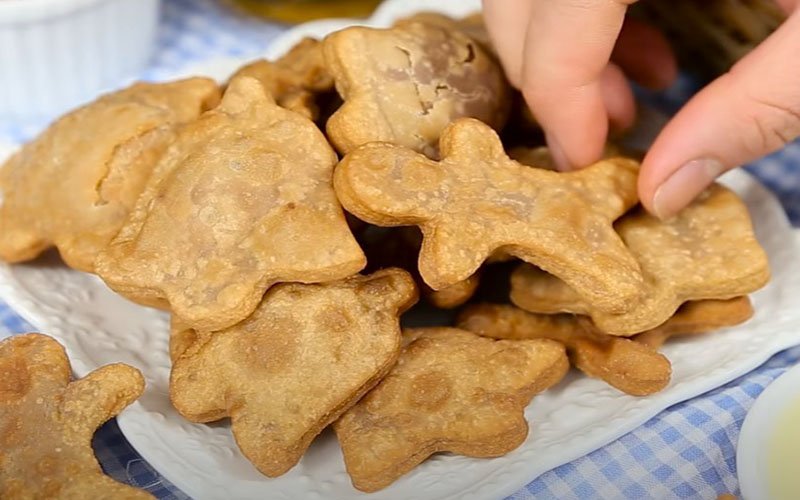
(686,452)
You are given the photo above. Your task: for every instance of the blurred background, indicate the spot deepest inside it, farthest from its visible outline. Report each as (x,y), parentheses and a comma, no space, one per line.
(56,54)
(295,11)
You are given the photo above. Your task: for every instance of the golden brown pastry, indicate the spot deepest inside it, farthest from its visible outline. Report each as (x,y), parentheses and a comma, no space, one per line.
(451,391)
(74,185)
(405,84)
(47,422)
(707,251)
(242,200)
(306,354)
(476,201)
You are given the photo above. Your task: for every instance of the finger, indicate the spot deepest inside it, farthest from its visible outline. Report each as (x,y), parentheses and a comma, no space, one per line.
(751,111)
(617,97)
(787,5)
(645,55)
(506,21)
(567,48)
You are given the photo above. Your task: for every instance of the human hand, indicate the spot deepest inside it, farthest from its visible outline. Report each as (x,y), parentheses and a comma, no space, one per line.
(570,58)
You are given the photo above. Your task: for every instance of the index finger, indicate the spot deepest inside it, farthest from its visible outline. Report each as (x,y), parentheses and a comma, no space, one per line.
(567,48)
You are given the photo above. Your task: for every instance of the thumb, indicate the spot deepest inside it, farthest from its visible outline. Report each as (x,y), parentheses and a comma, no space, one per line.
(747,113)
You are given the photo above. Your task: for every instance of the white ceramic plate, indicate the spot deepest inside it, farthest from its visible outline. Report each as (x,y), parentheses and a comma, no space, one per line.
(577,417)
(752,456)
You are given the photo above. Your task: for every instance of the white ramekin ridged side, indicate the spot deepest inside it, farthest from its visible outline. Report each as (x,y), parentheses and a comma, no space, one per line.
(56,54)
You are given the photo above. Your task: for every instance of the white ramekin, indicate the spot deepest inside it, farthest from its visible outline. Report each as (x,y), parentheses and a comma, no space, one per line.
(56,54)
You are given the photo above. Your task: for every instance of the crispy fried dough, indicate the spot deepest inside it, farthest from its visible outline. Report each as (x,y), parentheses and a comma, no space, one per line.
(405,84)
(456,294)
(707,251)
(74,185)
(294,79)
(47,422)
(476,201)
(631,365)
(622,363)
(241,201)
(452,391)
(399,247)
(306,354)
(697,317)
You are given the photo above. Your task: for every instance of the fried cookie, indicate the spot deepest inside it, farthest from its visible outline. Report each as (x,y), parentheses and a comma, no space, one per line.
(540,156)
(456,294)
(697,317)
(632,365)
(404,84)
(627,365)
(476,201)
(74,185)
(47,422)
(306,355)
(388,247)
(471,25)
(538,291)
(451,390)
(181,338)
(242,200)
(295,79)
(448,297)
(707,251)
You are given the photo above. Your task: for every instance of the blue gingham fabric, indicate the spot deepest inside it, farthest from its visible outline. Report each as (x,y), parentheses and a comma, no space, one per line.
(686,452)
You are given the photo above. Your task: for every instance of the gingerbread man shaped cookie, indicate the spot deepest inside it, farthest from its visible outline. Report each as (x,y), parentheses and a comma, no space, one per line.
(47,422)
(476,201)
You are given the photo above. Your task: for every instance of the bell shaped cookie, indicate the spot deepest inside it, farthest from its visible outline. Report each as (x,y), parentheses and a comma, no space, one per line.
(242,200)
(707,251)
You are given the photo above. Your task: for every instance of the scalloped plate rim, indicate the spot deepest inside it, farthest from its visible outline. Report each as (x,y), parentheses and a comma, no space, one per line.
(163,456)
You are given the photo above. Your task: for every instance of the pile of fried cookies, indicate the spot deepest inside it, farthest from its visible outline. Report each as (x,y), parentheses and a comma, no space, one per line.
(226,206)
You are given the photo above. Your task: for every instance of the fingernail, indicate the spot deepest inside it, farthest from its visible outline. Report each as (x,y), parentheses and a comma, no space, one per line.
(680,188)
(557,153)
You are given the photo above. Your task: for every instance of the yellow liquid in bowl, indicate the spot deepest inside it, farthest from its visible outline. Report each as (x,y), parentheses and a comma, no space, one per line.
(298,11)
(783,476)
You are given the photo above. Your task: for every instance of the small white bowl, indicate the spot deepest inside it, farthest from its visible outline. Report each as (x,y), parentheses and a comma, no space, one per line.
(56,54)
(752,452)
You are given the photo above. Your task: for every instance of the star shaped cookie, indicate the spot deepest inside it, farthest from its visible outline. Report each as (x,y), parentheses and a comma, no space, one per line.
(476,201)
(295,79)
(707,251)
(242,200)
(47,422)
(306,354)
(451,390)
